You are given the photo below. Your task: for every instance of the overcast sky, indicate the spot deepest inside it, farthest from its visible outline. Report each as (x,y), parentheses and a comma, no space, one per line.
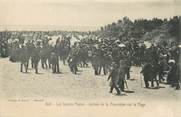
(81,14)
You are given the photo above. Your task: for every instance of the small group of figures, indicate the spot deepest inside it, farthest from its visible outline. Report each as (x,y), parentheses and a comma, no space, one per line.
(35,58)
(166,72)
(53,64)
(38,51)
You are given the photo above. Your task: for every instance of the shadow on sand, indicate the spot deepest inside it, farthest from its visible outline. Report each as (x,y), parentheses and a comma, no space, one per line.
(26,73)
(129,91)
(132,79)
(58,73)
(39,73)
(155,87)
(122,94)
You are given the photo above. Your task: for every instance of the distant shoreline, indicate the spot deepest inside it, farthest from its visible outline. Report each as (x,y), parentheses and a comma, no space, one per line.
(47,28)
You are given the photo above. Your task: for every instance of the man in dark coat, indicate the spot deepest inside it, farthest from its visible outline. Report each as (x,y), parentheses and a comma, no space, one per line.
(36,58)
(3,49)
(147,73)
(163,66)
(95,64)
(172,74)
(177,79)
(128,65)
(114,75)
(24,58)
(101,54)
(54,62)
(155,72)
(122,73)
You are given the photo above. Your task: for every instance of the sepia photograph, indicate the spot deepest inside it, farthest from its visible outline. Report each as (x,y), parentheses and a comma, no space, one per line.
(84,58)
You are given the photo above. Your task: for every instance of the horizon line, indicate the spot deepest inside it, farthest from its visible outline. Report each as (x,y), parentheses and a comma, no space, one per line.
(48,28)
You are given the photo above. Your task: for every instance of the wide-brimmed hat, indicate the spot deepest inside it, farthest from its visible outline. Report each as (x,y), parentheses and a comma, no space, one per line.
(179,46)
(122,45)
(171,61)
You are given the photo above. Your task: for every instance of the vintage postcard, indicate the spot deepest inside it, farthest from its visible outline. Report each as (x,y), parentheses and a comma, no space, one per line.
(90,58)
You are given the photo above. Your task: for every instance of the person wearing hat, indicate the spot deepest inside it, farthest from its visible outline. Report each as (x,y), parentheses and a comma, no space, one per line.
(114,76)
(141,54)
(122,73)
(155,72)
(147,73)
(171,79)
(101,55)
(54,62)
(172,72)
(36,57)
(24,58)
(72,62)
(95,60)
(163,66)
(4,49)
(178,77)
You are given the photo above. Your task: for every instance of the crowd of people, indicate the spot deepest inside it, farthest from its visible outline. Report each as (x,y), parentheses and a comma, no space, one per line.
(160,62)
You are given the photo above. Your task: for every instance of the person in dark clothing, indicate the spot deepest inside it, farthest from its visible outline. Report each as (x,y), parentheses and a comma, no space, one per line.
(122,73)
(114,75)
(128,66)
(72,61)
(36,58)
(172,71)
(54,62)
(95,64)
(3,49)
(101,54)
(147,73)
(141,54)
(176,81)
(173,75)
(24,58)
(163,66)
(155,72)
